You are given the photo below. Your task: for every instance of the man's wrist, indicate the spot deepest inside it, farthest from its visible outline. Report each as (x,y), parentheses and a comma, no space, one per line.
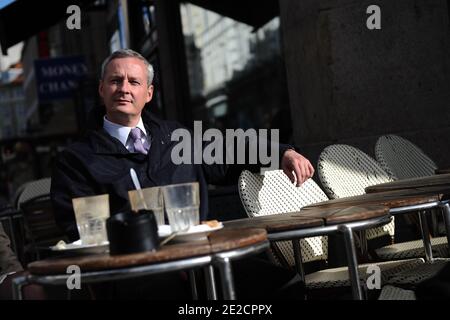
(288,148)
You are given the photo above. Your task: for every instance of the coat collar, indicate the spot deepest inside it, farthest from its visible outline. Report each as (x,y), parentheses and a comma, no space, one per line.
(103,143)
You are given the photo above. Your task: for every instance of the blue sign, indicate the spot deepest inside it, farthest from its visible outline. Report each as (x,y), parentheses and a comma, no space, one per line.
(57,78)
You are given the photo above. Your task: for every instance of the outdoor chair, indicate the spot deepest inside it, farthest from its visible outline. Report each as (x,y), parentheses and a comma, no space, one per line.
(394,293)
(14,216)
(345,171)
(273,193)
(404,160)
(40,227)
(31,190)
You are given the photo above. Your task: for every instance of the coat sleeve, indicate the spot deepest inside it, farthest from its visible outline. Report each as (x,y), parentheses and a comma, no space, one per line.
(228,172)
(69,180)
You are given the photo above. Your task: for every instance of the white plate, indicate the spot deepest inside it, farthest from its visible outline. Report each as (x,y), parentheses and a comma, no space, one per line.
(195,233)
(77,247)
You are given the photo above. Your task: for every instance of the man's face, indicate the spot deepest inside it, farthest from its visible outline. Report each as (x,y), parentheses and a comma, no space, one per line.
(124,89)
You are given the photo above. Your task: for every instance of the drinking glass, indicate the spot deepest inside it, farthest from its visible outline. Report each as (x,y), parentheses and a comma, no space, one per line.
(91,214)
(150,199)
(182,203)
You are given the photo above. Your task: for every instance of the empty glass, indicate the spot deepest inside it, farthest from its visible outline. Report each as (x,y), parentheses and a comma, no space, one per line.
(91,214)
(182,203)
(153,199)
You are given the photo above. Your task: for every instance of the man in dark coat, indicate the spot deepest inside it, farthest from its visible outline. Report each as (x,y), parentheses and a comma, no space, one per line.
(100,163)
(130,138)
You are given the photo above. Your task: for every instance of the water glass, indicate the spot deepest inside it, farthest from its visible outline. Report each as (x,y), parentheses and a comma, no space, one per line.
(150,199)
(182,203)
(91,214)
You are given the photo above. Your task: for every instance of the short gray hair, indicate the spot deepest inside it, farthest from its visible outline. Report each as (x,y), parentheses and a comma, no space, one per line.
(128,53)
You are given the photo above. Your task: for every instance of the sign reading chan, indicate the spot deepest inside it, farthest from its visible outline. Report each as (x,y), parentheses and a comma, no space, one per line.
(57,78)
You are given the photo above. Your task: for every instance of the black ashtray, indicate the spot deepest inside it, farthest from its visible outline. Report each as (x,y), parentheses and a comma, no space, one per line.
(132,232)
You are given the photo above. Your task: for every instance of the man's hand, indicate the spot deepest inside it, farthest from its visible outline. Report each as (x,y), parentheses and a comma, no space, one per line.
(296,167)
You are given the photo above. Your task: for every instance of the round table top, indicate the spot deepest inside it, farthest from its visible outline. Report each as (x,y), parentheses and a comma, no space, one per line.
(310,217)
(440,180)
(391,199)
(218,241)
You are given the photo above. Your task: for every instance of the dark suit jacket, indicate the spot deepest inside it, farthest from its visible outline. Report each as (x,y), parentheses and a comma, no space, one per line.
(100,164)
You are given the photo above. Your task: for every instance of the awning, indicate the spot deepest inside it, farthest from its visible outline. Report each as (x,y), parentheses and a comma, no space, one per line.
(253,13)
(17,24)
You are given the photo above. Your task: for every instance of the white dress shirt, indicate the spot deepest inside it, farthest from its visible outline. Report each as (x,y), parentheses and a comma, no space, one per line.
(122,133)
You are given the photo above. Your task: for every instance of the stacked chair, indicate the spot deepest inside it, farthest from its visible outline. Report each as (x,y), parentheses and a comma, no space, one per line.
(404,160)
(346,171)
(273,193)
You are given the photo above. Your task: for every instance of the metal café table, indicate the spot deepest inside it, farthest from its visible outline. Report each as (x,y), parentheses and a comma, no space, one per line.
(317,222)
(437,184)
(442,171)
(399,202)
(437,181)
(220,248)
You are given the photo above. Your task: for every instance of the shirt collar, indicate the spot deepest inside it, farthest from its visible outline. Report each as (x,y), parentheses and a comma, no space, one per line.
(121,132)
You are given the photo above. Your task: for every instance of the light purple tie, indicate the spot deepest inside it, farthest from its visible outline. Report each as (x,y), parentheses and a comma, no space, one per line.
(136,136)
